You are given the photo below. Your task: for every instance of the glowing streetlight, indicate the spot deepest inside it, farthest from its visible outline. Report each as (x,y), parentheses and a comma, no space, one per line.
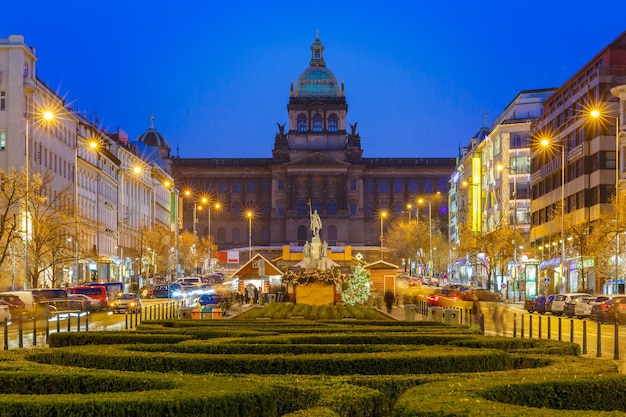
(546,143)
(515,271)
(383,215)
(430,232)
(249,216)
(46,116)
(596,114)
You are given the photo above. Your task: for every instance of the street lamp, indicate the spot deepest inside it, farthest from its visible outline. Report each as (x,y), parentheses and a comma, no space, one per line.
(515,271)
(209,205)
(188,194)
(249,216)
(93,145)
(547,143)
(597,114)
(430,233)
(383,216)
(47,116)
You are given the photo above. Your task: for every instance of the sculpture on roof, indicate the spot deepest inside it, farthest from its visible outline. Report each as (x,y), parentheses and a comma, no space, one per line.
(281,139)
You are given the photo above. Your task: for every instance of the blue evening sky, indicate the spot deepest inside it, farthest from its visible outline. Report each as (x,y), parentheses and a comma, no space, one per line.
(418,75)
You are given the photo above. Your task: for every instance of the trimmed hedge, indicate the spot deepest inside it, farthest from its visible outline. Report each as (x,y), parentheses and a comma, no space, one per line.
(300,368)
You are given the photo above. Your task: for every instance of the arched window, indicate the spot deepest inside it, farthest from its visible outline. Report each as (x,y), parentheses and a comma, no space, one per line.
(317,122)
(236,235)
(302,208)
(301,122)
(265,234)
(317,205)
(331,207)
(302,234)
(332,235)
(221,235)
(333,123)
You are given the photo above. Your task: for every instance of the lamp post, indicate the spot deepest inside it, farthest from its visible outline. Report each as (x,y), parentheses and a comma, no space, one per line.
(430,233)
(546,143)
(249,215)
(209,206)
(597,114)
(515,270)
(46,116)
(93,145)
(383,215)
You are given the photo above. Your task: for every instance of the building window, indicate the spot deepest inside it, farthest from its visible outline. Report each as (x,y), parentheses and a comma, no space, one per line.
(397,186)
(236,209)
(332,207)
(281,185)
(302,208)
(265,234)
(236,187)
(301,123)
(352,185)
(221,235)
(413,186)
(302,234)
(332,234)
(222,187)
(251,187)
(3,100)
(383,186)
(428,186)
(369,185)
(236,235)
(368,210)
(266,184)
(317,205)
(317,122)
(333,123)
(281,209)
(3,139)
(353,209)
(443,185)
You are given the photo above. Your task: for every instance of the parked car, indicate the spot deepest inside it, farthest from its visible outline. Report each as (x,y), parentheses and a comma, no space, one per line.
(5,312)
(541,304)
(83,302)
(529,304)
(453,289)
(558,303)
(126,302)
(607,310)
(209,299)
(167,291)
(583,307)
(16,305)
(480,294)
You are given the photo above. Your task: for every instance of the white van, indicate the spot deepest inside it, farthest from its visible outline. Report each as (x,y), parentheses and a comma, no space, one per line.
(189,281)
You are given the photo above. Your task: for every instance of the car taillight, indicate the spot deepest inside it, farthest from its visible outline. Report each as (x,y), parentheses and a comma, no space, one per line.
(604,307)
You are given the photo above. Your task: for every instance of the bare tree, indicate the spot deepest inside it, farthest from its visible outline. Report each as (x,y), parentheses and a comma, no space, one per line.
(52,224)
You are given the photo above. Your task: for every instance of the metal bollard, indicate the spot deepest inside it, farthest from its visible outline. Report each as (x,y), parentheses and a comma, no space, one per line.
(58,324)
(514,325)
(35,331)
(87,322)
(616,342)
(571,331)
(522,336)
(126,319)
(584,337)
(69,322)
(78,323)
(560,328)
(599,344)
(530,326)
(6,333)
(20,334)
(549,327)
(539,329)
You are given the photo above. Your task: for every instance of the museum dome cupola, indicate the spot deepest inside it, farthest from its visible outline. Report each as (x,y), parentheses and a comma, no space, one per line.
(154,139)
(317,80)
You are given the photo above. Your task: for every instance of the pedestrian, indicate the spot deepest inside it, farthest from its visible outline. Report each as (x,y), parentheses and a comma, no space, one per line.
(256,295)
(389,299)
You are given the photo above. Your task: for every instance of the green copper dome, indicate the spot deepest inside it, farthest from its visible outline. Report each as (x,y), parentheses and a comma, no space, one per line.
(317,80)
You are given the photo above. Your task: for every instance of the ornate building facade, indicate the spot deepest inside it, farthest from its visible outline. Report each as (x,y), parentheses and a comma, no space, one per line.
(316,164)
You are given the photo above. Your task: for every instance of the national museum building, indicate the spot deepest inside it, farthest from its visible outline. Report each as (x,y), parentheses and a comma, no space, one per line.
(316,164)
